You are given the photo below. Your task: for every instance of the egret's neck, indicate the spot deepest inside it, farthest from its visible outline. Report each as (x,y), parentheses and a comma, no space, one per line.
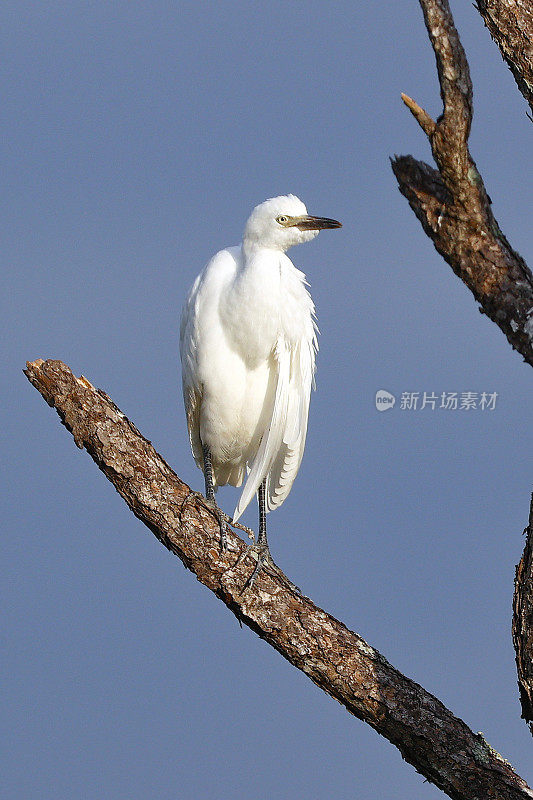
(251,250)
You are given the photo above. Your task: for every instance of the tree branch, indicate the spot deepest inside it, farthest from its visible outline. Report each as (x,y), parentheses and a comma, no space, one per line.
(522,623)
(452,203)
(341,663)
(511,26)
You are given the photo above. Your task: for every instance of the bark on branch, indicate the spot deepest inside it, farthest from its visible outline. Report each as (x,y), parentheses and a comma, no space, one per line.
(511,26)
(341,663)
(523,624)
(452,203)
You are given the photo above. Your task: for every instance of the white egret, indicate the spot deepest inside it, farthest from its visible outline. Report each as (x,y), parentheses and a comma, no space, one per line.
(247,346)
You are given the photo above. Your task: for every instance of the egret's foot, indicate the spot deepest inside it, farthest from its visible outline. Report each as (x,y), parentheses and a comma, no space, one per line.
(223,521)
(289,584)
(264,559)
(248,531)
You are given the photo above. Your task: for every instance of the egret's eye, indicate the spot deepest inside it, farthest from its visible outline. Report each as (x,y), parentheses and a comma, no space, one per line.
(282,220)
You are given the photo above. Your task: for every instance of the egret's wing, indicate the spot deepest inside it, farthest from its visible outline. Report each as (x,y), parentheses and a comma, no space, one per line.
(281,449)
(196,320)
(192,390)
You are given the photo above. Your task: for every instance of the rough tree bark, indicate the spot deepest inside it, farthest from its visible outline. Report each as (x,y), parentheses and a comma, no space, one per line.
(431,738)
(523,624)
(511,26)
(455,211)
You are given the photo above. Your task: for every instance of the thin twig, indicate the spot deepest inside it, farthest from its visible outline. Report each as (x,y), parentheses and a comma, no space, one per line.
(421,116)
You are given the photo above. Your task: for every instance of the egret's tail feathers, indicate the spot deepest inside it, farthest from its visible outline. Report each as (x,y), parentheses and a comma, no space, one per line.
(272,439)
(281,476)
(285,467)
(280,452)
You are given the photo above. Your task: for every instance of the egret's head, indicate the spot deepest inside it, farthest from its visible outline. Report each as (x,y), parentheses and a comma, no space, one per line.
(282,222)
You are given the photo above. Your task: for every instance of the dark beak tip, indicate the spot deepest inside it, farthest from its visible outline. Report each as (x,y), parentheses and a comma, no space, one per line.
(318,223)
(330,223)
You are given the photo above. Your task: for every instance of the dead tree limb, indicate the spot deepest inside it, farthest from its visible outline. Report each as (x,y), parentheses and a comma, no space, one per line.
(452,203)
(341,663)
(455,211)
(523,624)
(510,23)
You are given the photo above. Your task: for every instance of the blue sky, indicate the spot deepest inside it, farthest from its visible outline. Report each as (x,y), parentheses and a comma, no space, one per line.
(137,138)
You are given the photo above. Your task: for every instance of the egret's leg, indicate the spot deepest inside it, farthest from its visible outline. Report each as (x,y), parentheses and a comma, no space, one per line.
(208,474)
(211,500)
(210,494)
(262,535)
(261,548)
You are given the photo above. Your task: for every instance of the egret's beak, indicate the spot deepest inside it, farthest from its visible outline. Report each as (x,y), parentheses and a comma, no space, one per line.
(308,223)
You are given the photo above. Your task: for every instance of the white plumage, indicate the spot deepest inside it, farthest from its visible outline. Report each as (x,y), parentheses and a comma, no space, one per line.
(247,345)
